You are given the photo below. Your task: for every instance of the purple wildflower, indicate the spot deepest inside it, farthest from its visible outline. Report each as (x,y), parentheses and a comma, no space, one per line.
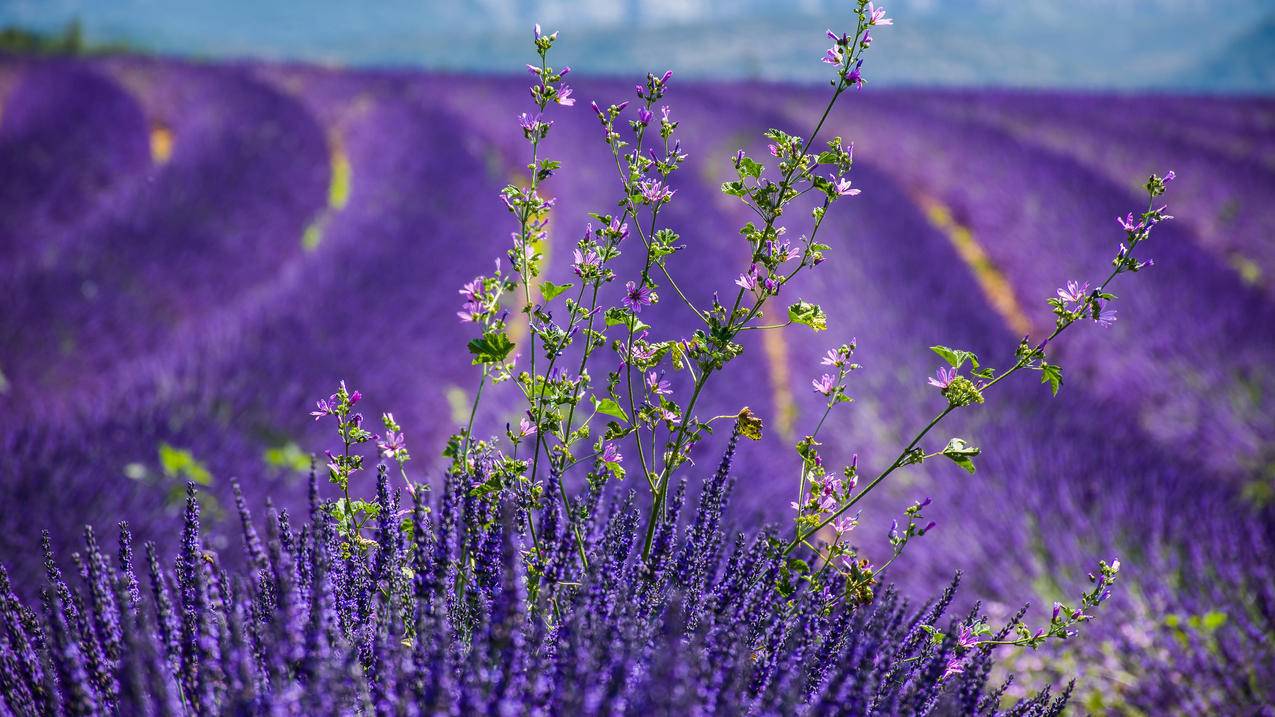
(943,377)
(657,385)
(855,75)
(1074,292)
(876,16)
(611,454)
(654,192)
(635,297)
(825,384)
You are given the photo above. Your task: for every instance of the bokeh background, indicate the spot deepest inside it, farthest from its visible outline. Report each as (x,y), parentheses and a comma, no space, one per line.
(210,214)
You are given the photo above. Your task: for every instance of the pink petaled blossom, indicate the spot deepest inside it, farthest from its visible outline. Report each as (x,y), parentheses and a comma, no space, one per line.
(965,638)
(657,385)
(564,97)
(526,427)
(391,444)
(611,454)
(1128,224)
(642,351)
(774,150)
(584,261)
(876,16)
(845,523)
(655,192)
(825,384)
(842,185)
(943,377)
(668,415)
(1074,292)
(324,408)
(635,297)
(833,56)
(955,666)
(749,280)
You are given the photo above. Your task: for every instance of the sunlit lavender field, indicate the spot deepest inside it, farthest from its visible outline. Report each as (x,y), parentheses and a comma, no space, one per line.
(191,253)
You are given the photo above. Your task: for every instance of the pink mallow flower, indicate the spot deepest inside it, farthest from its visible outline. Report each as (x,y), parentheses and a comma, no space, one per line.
(943,377)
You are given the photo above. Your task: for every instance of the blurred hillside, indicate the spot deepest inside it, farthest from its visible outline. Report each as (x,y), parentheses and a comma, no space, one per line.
(1168,45)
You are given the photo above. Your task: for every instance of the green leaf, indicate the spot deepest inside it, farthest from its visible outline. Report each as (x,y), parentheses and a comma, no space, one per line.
(490,348)
(1212,620)
(1052,375)
(804,312)
(180,463)
(734,189)
(609,407)
(956,357)
(550,290)
(749,424)
(749,167)
(961,453)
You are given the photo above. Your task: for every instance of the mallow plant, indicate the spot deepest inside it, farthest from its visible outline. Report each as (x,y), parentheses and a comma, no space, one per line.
(502,589)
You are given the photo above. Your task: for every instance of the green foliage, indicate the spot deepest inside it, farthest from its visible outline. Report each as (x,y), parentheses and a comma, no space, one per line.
(808,314)
(490,348)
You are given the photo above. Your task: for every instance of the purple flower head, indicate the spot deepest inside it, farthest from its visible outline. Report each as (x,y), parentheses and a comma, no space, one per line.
(635,297)
(1105,316)
(526,427)
(955,666)
(749,280)
(644,116)
(867,38)
(654,192)
(585,261)
(1074,292)
(965,638)
(657,385)
(833,55)
(1170,176)
(564,97)
(824,385)
(876,16)
(855,75)
(842,186)
(391,444)
(943,377)
(324,408)
(1128,223)
(611,454)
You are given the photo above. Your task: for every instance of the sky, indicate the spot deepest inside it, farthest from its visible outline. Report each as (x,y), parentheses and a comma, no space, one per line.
(1223,46)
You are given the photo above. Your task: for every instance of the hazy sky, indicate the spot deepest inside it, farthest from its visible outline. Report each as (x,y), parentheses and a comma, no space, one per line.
(1221,45)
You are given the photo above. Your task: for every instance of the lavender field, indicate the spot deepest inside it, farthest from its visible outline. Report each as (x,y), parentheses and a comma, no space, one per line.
(190,254)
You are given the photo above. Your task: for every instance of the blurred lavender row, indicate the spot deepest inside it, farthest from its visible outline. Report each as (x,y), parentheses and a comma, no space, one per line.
(190,253)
